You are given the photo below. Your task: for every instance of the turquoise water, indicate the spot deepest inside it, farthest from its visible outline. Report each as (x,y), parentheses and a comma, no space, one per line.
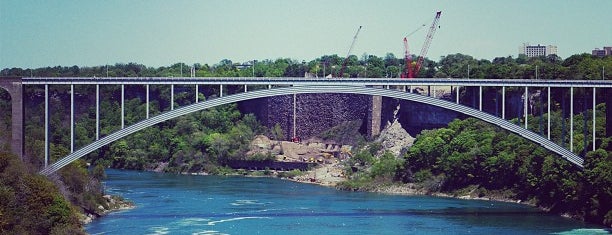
(184,204)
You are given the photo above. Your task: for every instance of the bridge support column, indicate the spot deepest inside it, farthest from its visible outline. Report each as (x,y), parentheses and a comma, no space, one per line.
(245,87)
(374,116)
(434,92)
(147,100)
(172,97)
(15,89)
(97,111)
(525,105)
(548,104)
(594,114)
(503,103)
(220,90)
(608,100)
(480,98)
(197,92)
(122,106)
(571,119)
(457,94)
(46,125)
(71,118)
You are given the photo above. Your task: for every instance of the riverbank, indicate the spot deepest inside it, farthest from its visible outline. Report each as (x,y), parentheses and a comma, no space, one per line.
(331,176)
(113,203)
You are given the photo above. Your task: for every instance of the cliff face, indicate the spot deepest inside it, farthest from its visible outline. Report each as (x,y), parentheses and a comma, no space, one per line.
(315,113)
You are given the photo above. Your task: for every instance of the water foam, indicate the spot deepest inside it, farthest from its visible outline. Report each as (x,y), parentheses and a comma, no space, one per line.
(158,230)
(209,232)
(580,231)
(213,223)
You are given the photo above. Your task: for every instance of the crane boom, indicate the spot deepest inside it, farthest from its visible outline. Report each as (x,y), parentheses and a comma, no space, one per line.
(407,58)
(430,34)
(341,74)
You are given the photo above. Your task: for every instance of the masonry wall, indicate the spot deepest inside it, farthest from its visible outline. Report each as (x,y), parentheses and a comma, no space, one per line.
(315,112)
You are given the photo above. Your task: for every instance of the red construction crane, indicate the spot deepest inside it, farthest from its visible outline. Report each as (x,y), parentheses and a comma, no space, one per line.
(432,31)
(407,57)
(341,74)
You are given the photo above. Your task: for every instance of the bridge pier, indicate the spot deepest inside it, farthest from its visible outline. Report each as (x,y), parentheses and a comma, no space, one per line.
(571,119)
(594,114)
(608,100)
(15,89)
(46,125)
(456,94)
(375,116)
(172,97)
(548,104)
(525,105)
(503,109)
(98,111)
(122,106)
(147,101)
(71,118)
(480,98)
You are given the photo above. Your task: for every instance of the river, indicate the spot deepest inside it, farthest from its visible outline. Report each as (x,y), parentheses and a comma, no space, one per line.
(186,204)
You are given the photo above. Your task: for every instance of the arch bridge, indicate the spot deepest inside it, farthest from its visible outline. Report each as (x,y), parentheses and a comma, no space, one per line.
(403,90)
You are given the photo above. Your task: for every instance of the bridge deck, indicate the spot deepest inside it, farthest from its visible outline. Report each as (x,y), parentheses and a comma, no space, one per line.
(320,81)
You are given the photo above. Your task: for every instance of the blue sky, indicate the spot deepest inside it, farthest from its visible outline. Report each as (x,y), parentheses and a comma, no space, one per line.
(160,33)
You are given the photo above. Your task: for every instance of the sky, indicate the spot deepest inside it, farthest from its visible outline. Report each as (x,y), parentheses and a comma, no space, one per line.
(39,33)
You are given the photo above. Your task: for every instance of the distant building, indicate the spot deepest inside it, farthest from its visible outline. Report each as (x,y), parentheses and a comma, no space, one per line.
(606,51)
(537,50)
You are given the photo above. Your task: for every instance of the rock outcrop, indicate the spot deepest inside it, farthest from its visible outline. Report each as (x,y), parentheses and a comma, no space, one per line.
(394,138)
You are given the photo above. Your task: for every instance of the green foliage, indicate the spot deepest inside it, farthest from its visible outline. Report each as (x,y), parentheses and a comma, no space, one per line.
(31,204)
(422,175)
(290,174)
(363,158)
(385,166)
(277,132)
(262,157)
(472,153)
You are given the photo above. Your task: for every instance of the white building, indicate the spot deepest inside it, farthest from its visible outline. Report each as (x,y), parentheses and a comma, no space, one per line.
(537,50)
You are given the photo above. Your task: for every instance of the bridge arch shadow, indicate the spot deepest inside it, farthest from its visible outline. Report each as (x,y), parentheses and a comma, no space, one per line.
(564,153)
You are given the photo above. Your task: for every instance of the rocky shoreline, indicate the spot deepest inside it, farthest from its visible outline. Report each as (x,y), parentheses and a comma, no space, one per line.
(113,203)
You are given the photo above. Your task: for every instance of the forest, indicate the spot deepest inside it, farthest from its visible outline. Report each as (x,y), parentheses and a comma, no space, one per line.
(466,155)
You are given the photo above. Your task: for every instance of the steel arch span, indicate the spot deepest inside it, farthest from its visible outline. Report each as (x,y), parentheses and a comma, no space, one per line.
(362,90)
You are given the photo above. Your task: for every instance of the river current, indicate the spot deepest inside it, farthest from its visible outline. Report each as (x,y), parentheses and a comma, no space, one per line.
(187,204)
